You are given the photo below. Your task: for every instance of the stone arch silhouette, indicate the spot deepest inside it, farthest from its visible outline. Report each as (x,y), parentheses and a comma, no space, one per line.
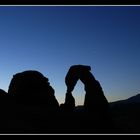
(94,96)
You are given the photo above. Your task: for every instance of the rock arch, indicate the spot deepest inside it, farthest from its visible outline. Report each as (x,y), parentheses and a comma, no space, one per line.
(94,97)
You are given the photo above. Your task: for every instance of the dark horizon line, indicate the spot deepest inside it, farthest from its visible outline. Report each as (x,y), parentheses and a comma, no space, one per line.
(108,101)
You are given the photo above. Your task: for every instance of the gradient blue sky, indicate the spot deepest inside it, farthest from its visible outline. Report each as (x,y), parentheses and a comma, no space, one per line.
(52,38)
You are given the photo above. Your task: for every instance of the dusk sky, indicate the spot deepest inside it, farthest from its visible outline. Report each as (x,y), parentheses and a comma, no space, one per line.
(52,38)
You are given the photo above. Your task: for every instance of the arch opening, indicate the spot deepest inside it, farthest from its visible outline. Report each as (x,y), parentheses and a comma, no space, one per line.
(79,93)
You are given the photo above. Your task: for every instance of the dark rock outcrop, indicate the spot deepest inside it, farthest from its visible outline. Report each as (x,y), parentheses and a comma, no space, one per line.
(34,106)
(30,105)
(33,88)
(95,115)
(2,93)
